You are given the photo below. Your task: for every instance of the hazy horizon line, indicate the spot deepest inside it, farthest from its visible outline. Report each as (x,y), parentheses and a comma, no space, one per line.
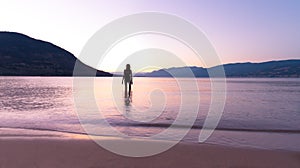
(210,67)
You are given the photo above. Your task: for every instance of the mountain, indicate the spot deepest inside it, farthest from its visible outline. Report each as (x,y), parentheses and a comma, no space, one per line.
(284,68)
(21,55)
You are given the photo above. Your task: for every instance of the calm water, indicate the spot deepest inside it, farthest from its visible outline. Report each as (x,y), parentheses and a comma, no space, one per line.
(261,113)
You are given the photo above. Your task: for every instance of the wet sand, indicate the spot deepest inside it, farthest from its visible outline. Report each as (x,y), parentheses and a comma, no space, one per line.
(81,152)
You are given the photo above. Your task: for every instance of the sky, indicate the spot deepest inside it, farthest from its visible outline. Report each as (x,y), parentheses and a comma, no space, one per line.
(240,30)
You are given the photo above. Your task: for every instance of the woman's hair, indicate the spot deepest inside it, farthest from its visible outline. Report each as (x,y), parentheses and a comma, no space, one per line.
(127,66)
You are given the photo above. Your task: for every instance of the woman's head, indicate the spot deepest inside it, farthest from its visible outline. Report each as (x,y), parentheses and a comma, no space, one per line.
(127,66)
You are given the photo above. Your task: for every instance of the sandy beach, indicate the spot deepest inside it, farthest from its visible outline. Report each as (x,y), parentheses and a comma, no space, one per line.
(75,151)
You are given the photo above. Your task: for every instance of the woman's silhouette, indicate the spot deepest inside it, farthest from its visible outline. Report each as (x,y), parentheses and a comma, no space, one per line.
(127,76)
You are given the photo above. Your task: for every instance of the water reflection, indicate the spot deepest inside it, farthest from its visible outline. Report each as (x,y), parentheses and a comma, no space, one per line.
(127,103)
(25,95)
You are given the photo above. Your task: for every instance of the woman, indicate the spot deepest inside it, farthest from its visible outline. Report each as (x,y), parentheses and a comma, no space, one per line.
(127,76)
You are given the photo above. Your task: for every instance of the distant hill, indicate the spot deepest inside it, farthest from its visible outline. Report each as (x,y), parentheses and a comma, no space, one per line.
(21,55)
(284,68)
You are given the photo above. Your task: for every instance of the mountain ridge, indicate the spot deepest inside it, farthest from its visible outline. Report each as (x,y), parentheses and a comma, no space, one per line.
(22,55)
(278,68)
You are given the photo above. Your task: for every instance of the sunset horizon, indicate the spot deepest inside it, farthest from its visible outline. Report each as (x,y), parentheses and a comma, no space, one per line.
(149,69)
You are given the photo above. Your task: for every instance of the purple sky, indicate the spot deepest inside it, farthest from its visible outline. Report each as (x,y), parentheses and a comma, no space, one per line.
(240,30)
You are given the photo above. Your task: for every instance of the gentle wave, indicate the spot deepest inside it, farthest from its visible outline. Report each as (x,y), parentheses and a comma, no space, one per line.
(166,125)
(155,125)
(42,129)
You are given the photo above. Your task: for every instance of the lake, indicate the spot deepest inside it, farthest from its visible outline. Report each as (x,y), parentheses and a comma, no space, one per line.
(258,113)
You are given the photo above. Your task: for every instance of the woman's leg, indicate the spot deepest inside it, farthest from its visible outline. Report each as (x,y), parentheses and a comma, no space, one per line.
(126,88)
(129,88)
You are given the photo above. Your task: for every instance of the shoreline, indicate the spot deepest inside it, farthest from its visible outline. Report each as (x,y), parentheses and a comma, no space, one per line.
(19,132)
(73,150)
